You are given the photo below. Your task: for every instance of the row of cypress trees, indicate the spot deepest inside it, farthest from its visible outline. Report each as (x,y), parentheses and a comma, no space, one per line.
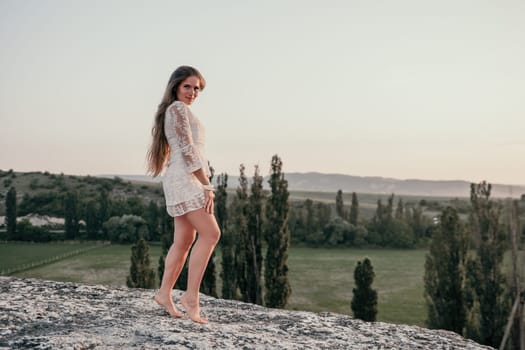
(465,287)
(250,219)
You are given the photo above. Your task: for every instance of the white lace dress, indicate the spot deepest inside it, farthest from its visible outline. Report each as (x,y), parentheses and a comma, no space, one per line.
(185,134)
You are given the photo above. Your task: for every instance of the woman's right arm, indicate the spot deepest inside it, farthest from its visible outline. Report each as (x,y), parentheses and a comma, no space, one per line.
(190,153)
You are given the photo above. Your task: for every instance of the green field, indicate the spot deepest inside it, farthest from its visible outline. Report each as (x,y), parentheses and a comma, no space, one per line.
(107,265)
(321,279)
(14,255)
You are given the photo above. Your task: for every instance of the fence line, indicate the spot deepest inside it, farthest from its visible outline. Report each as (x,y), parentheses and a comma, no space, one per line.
(50,260)
(65,242)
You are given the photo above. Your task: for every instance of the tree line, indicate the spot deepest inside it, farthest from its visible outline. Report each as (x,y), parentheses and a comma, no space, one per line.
(109,215)
(322,224)
(119,220)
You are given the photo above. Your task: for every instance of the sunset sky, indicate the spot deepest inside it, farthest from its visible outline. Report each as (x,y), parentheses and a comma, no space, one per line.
(401,89)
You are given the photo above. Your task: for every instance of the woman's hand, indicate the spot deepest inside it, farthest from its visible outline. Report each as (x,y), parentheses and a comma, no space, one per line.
(207,188)
(208,203)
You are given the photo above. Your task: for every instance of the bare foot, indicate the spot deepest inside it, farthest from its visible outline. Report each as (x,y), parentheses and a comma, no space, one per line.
(193,310)
(167,303)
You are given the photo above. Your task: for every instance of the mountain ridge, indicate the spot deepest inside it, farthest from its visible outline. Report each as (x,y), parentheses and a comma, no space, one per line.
(322,182)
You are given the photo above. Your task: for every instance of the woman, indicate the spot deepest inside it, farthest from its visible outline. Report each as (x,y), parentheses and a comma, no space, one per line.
(178,140)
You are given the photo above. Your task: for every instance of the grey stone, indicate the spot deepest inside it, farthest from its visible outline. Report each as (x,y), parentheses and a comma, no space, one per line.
(53,315)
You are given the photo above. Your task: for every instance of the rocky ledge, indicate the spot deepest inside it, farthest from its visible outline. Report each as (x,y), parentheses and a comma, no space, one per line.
(52,315)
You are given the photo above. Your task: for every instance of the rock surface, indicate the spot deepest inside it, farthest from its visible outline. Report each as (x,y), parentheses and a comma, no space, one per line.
(53,315)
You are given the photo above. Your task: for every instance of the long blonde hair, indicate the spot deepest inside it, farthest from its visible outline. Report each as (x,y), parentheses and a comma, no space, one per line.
(159,150)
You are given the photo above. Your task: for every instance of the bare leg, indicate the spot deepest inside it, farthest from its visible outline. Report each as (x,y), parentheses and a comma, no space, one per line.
(182,240)
(208,237)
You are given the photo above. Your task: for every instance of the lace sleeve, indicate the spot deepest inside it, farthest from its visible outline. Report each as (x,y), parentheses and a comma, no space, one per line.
(190,153)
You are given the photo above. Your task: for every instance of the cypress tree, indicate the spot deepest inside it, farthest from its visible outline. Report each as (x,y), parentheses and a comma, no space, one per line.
(228,273)
(400,210)
(322,215)
(516,290)
(310,217)
(317,217)
(296,224)
(153,221)
(445,274)
(182,281)
(377,225)
(10,213)
(209,281)
(240,225)
(71,226)
(339,204)
(277,236)
(141,275)
(485,278)
(91,221)
(364,300)
(253,248)
(354,210)
(227,242)
(103,212)
(388,228)
(419,224)
(379,216)
(166,238)
(221,196)
(390,209)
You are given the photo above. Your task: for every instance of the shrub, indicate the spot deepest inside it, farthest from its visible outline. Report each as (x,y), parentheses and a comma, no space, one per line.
(126,228)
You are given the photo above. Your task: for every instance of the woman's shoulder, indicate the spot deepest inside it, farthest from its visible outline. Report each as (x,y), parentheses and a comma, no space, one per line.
(178,105)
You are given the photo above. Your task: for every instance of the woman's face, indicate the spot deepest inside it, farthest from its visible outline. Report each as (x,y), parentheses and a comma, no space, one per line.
(188,90)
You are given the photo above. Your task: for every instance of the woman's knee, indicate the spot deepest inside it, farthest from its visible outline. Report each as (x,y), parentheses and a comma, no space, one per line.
(217,235)
(213,235)
(206,225)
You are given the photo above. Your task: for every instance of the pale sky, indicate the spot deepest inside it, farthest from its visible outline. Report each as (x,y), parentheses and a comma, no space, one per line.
(402,89)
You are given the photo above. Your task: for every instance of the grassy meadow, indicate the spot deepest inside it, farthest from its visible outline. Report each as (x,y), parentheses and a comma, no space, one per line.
(18,254)
(108,265)
(321,279)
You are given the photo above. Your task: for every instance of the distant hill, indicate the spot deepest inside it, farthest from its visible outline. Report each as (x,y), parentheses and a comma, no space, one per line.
(348,183)
(314,181)
(47,189)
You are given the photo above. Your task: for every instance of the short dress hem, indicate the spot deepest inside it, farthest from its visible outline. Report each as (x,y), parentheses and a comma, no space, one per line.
(180,209)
